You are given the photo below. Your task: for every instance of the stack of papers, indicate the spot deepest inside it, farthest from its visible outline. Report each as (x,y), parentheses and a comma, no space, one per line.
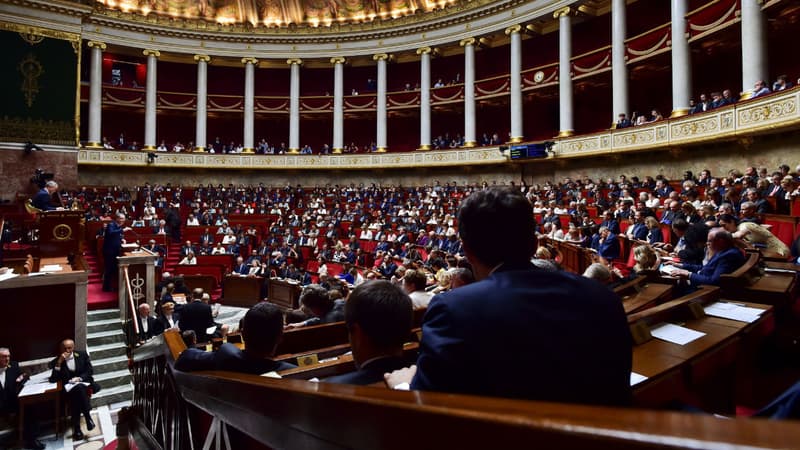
(637,378)
(667,270)
(733,311)
(675,334)
(37,384)
(8,275)
(51,268)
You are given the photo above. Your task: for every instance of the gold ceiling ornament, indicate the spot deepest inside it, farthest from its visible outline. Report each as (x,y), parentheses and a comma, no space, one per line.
(97,44)
(467,41)
(204,58)
(513,29)
(31,38)
(565,11)
(155,53)
(424,50)
(380,57)
(338,60)
(31,70)
(297,61)
(250,60)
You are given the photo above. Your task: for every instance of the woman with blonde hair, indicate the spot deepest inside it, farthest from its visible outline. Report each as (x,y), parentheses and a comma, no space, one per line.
(645,257)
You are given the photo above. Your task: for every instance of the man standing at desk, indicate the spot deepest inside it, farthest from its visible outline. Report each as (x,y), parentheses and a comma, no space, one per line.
(11,381)
(42,198)
(112,245)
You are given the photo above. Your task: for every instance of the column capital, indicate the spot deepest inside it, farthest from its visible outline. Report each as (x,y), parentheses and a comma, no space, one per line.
(338,60)
(250,60)
(565,11)
(149,52)
(204,58)
(467,41)
(513,29)
(292,61)
(424,50)
(97,44)
(380,57)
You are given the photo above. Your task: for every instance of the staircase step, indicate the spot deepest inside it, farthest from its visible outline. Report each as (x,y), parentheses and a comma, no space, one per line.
(113,395)
(103,314)
(108,350)
(111,364)
(104,325)
(105,337)
(113,379)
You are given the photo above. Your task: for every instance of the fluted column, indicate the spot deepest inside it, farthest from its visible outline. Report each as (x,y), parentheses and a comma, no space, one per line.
(96,94)
(338,104)
(250,65)
(150,100)
(202,98)
(515,103)
(294,105)
(469,91)
(681,61)
(424,98)
(380,139)
(754,50)
(565,113)
(619,69)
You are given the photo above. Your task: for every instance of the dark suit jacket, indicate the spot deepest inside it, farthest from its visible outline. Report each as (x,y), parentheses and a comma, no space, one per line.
(154,328)
(112,240)
(197,316)
(83,369)
(244,269)
(609,249)
(8,394)
(723,262)
(371,373)
(528,334)
(230,358)
(640,231)
(42,200)
(165,323)
(655,235)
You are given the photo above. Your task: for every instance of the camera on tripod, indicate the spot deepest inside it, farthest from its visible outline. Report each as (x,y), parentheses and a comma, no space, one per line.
(40,178)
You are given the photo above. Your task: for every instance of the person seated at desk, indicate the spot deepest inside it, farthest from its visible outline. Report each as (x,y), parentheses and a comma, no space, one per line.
(240,268)
(317,301)
(11,381)
(168,317)
(654,234)
(189,260)
(42,198)
(607,244)
(754,235)
(74,368)
(262,328)
(723,256)
(149,326)
(378,317)
(158,250)
(414,284)
(219,250)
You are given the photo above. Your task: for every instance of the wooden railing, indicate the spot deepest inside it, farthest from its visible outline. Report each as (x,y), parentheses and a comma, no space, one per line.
(184,410)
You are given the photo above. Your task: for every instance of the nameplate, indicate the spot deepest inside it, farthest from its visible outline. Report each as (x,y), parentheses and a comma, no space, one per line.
(307,360)
(696,309)
(640,332)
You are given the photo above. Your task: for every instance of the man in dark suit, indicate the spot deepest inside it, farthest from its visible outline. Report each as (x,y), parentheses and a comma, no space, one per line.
(197,316)
(158,250)
(262,328)
(378,316)
(149,326)
(188,248)
(638,230)
(11,381)
(762,205)
(555,327)
(726,259)
(608,245)
(42,198)
(112,246)
(72,368)
(240,268)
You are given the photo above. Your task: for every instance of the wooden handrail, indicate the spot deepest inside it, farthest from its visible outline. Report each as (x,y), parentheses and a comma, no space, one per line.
(131,305)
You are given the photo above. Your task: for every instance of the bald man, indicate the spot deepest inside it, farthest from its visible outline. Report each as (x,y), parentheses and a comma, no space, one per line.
(74,368)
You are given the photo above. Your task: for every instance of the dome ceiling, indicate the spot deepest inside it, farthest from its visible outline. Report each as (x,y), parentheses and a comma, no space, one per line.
(279,13)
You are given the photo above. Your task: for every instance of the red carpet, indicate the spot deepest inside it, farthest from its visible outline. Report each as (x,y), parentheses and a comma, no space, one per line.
(97,299)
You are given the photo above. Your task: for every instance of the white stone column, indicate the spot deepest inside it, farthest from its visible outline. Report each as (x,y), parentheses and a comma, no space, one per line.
(150,100)
(469,92)
(294,105)
(619,69)
(202,99)
(424,98)
(380,139)
(250,65)
(681,61)
(565,113)
(338,104)
(754,49)
(515,103)
(96,95)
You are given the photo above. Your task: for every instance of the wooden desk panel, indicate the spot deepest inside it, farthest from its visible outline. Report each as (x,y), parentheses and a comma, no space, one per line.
(284,294)
(241,291)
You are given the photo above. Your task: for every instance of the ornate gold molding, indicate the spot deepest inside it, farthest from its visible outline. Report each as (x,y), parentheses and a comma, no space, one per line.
(513,29)
(297,61)
(515,140)
(338,60)
(380,57)
(97,44)
(565,11)
(155,53)
(467,41)
(39,31)
(424,50)
(250,60)
(204,58)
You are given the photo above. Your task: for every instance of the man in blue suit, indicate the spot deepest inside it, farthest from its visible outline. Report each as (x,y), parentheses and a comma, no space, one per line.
(726,259)
(112,246)
(520,332)
(378,316)
(42,198)
(262,328)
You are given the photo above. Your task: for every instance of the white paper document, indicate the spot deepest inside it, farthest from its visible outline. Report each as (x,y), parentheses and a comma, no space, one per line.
(36,388)
(637,378)
(8,275)
(675,334)
(733,311)
(211,329)
(667,270)
(51,268)
(69,386)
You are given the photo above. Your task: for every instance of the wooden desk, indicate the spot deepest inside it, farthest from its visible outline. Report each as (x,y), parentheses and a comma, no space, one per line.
(241,291)
(53,394)
(648,294)
(284,293)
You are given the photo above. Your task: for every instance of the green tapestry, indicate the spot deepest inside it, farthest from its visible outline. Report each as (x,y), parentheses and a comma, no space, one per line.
(38,87)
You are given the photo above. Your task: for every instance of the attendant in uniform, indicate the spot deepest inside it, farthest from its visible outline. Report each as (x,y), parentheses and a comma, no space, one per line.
(74,368)
(11,381)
